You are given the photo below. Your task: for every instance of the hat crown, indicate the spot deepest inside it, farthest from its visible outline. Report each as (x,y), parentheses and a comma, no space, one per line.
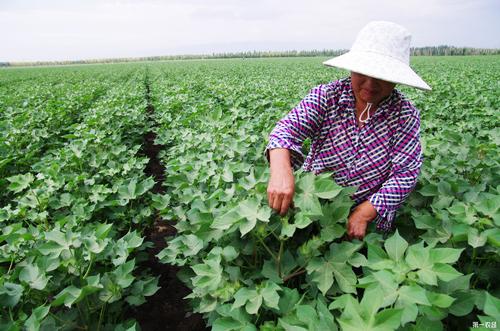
(386,38)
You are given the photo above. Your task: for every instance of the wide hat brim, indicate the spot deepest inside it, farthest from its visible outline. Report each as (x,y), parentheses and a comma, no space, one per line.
(378,66)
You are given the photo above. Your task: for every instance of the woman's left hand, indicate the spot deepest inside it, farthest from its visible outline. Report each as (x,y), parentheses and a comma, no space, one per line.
(358,220)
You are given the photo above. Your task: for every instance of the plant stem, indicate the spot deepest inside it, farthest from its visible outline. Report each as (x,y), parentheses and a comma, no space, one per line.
(36,197)
(101,314)
(473,260)
(267,248)
(10,265)
(90,265)
(296,273)
(278,259)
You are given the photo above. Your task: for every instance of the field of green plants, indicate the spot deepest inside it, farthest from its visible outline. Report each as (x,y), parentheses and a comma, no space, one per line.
(79,201)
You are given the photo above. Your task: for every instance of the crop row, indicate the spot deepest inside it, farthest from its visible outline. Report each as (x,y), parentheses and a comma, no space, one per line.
(73,191)
(249,268)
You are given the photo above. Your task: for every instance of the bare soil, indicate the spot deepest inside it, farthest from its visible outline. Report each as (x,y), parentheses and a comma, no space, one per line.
(166,309)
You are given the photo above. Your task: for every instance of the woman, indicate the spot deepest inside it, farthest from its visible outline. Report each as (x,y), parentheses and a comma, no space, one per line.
(361,128)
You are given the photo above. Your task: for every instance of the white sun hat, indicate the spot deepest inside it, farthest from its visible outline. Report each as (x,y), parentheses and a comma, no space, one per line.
(381,50)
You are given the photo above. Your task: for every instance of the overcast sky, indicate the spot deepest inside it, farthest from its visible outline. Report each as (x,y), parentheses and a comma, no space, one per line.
(33,30)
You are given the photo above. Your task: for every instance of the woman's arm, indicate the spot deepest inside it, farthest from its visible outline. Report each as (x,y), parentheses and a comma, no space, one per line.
(302,122)
(281,185)
(284,150)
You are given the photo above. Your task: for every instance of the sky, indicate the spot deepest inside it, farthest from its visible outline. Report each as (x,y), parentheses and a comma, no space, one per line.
(54,30)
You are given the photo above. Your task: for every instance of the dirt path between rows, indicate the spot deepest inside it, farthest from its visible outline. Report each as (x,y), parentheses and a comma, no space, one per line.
(166,310)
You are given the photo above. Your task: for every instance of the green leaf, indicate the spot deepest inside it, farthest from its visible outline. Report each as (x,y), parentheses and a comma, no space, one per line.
(492,306)
(307,315)
(68,296)
(127,191)
(20,182)
(241,297)
(270,271)
(160,202)
(387,281)
(372,300)
(464,303)
(429,190)
(475,239)
(284,323)
(247,226)
(339,303)
(123,274)
(409,314)
(440,300)
(252,211)
(226,220)
(140,289)
(413,294)
(226,324)
(270,295)
(208,274)
(445,272)
(425,222)
(227,175)
(305,198)
(32,275)
(395,246)
(322,274)
(288,299)
(425,324)
(493,236)
(36,317)
(326,188)
(459,283)
(133,189)
(358,260)
(287,229)
(102,230)
(351,319)
(417,256)
(253,304)
(441,202)
(388,319)
(229,253)
(345,277)
(490,206)
(445,255)
(427,276)
(193,245)
(52,249)
(342,252)
(444,188)
(301,220)
(133,240)
(326,320)
(10,294)
(378,258)
(60,238)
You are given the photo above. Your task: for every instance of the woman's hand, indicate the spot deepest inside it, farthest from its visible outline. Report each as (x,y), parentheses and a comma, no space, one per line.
(281,186)
(359,219)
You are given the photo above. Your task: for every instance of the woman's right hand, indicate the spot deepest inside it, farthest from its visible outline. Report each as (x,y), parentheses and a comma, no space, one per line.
(281,186)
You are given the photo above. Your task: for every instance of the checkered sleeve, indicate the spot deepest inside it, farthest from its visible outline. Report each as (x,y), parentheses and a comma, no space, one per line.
(300,123)
(406,163)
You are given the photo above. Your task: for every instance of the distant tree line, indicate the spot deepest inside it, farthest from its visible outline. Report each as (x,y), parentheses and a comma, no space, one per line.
(415,51)
(452,50)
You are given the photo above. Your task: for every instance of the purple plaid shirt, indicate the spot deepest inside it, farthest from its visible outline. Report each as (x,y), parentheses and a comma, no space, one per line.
(383,158)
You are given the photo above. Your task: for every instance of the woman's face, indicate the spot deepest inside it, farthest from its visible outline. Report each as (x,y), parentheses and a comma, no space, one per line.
(369,89)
